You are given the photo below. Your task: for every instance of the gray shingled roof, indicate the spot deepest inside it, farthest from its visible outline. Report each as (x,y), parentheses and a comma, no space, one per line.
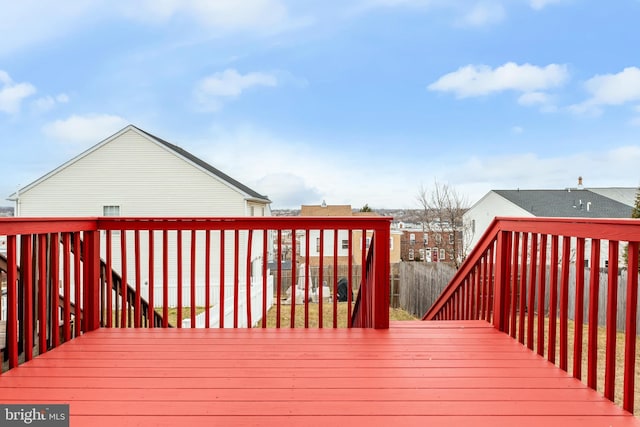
(184,153)
(580,203)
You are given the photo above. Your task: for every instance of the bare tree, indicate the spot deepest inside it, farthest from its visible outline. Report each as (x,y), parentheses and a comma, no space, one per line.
(442,208)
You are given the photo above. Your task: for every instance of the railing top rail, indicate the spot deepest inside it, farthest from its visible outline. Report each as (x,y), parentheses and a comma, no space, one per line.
(244,223)
(26,225)
(605,228)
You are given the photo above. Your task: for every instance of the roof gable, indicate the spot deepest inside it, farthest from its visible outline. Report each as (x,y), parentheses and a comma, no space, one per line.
(181,153)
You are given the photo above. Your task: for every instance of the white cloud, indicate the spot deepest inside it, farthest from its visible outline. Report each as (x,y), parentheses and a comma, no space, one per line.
(12,94)
(86,129)
(483,14)
(517,130)
(541,4)
(480,80)
(47,103)
(610,89)
(213,90)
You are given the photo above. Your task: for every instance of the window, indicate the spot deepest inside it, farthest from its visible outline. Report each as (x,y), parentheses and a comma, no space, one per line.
(345,244)
(252,210)
(442,255)
(451,238)
(434,254)
(427,255)
(410,254)
(412,239)
(391,243)
(425,239)
(368,242)
(438,238)
(317,244)
(111,210)
(473,225)
(421,251)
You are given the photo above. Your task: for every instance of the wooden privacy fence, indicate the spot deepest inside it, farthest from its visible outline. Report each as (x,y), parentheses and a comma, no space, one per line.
(420,284)
(504,281)
(67,276)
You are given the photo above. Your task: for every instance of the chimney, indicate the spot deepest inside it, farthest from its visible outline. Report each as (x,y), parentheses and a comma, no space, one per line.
(580,186)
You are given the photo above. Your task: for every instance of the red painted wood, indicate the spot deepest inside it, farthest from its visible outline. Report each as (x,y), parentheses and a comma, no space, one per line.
(553,300)
(42,292)
(306,282)
(137,304)
(54,292)
(192,280)
(542,273)
(531,289)
(109,279)
(207,279)
(247,280)
(293,279)
(522,299)
(630,327)
(594,287)
(264,278)
(26,257)
(350,279)
(179,278)
(236,275)
(12,301)
(321,280)
(123,276)
(564,303)
(514,283)
(335,279)
(612,311)
(579,309)
(279,278)
(474,375)
(152,281)
(165,279)
(223,281)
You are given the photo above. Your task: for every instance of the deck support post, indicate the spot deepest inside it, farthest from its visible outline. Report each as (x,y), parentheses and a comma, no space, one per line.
(381,278)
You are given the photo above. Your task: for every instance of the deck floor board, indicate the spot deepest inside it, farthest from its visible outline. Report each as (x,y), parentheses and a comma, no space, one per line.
(415,373)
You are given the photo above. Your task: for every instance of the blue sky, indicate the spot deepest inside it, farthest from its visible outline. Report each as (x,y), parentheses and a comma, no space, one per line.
(351,101)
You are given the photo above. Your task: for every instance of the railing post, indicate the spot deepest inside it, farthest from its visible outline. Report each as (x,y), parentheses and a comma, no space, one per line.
(381,278)
(92,280)
(502,277)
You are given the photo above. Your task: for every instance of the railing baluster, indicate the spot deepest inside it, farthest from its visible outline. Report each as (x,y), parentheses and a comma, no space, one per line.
(165,278)
(514,284)
(179,277)
(293,277)
(594,289)
(542,272)
(264,277)
(12,301)
(124,291)
(612,311)
(306,278)
(66,265)
(335,278)
(553,300)
(26,273)
(223,281)
(320,280)
(630,327)
(248,279)
(279,284)
(207,279)
(579,309)
(54,268)
(152,283)
(136,308)
(350,279)
(522,297)
(236,276)
(564,302)
(192,280)
(531,289)
(42,293)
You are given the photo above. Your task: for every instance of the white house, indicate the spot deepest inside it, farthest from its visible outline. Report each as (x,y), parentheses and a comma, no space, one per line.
(577,202)
(134,173)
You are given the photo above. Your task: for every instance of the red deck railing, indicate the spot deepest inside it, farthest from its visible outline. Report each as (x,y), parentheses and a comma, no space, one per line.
(534,277)
(66,276)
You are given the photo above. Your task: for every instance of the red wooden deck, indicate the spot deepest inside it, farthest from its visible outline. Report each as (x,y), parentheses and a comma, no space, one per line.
(415,373)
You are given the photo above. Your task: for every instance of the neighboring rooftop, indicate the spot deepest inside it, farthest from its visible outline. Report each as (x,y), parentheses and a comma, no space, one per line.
(583,203)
